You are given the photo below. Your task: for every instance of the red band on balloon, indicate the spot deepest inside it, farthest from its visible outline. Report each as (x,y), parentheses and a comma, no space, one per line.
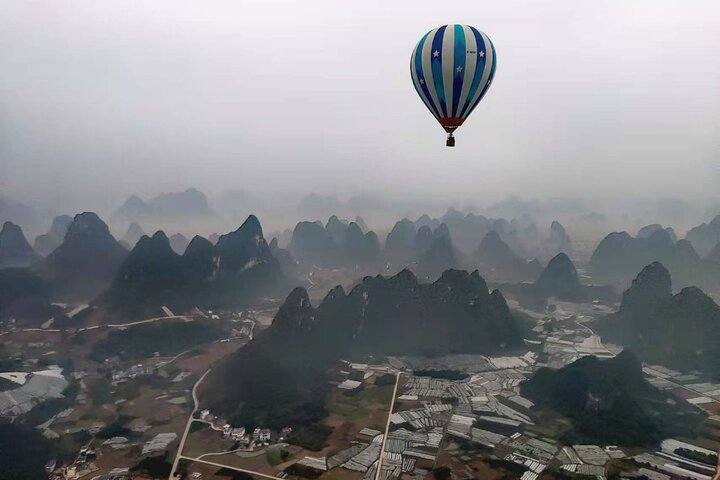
(450,124)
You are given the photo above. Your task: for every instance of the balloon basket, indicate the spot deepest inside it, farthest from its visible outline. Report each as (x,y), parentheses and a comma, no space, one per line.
(450,140)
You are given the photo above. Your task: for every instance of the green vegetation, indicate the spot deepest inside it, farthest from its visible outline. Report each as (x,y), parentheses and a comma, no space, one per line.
(23,452)
(196,351)
(697,456)
(515,469)
(197,426)
(446,374)
(42,412)
(468,446)
(165,338)
(348,407)
(99,391)
(442,473)
(302,471)
(130,389)
(155,467)
(311,437)
(357,375)
(276,456)
(26,296)
(355,392)
(387,379)
(6,384)
(9,364)
(382,395)
(72,389)
(65,449)
(232,474)
(609,402)
(115,429)
(45,362)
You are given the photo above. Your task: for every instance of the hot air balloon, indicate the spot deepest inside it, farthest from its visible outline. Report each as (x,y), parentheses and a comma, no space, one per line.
(452,68)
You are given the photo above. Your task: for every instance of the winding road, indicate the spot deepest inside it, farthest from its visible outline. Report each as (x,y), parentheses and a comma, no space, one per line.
(139,322)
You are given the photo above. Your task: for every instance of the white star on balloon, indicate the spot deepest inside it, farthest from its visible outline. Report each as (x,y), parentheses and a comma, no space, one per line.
(436,53)
(482,54)
(458,69)
(422,81)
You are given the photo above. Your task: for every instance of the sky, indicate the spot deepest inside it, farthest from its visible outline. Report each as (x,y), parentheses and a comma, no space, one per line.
(99,100)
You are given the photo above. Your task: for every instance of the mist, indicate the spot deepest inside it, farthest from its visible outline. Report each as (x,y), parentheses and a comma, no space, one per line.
(616,103)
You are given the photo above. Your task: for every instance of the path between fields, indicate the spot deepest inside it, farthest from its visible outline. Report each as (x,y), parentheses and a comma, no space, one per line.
(387,427)
(196,405)
(221,465)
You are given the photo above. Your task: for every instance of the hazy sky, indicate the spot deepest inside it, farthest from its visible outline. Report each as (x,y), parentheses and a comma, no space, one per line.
(100,99)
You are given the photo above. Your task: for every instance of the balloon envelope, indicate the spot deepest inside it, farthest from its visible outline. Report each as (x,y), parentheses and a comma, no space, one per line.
(452,68)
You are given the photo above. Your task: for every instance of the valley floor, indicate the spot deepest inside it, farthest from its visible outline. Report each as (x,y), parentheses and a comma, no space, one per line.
(401,418)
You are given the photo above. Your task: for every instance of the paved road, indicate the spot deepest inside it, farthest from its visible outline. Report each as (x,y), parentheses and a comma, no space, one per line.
(181,445)
(387,427)
(139,322)
(161,365)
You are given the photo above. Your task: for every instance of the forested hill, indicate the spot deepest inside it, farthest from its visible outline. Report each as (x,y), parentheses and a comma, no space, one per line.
(277,379)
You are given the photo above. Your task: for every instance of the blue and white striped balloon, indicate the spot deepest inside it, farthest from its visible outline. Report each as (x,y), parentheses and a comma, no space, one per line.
(452,68)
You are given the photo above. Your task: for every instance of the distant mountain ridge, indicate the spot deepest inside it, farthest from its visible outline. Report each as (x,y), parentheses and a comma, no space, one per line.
(522,235)
(188,204)
(17,213)
(620,256)
(500,263)
(428,250)
(178,243)
(46,243)
(427,247)
(15,251)
(133,234)
(239,268)
(648,230)
(705,236)
(441,256)
(337,244)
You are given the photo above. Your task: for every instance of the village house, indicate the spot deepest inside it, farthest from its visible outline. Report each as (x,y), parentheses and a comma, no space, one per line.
(237,433)
(261,435)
